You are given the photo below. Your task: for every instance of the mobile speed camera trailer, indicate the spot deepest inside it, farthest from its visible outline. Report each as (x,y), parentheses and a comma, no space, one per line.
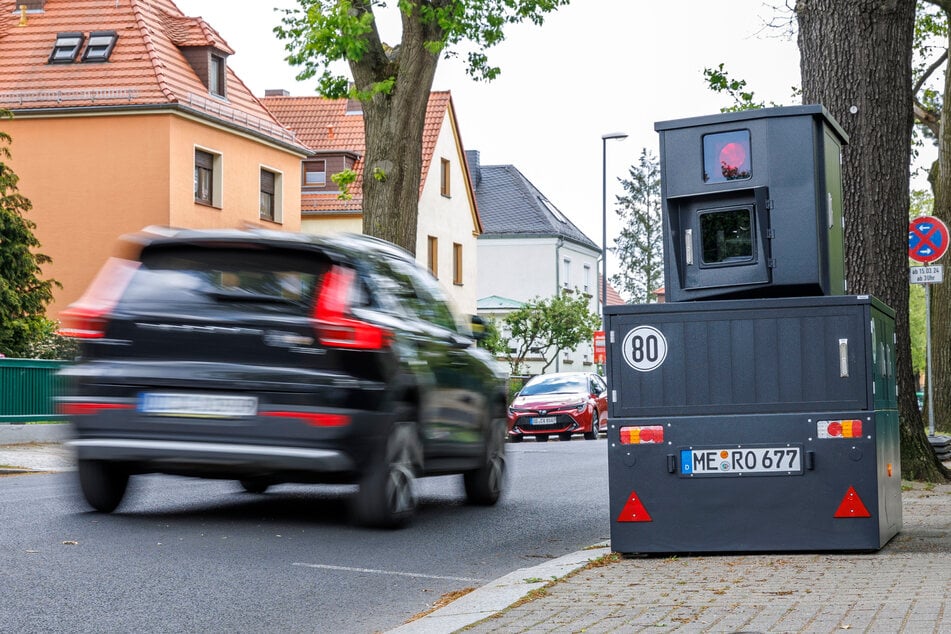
(757,409)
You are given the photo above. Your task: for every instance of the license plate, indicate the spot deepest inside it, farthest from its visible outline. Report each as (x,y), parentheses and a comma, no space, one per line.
(197,405)
(738,461)
(544,420)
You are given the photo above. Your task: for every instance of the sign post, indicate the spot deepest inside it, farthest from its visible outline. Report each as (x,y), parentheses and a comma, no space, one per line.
(927,242)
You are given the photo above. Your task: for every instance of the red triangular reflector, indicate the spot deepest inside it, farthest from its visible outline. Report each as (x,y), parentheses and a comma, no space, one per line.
(634,510)
(852,506)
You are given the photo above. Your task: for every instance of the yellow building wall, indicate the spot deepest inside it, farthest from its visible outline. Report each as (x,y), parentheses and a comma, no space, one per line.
(92,179)
(329,225)
(242,159)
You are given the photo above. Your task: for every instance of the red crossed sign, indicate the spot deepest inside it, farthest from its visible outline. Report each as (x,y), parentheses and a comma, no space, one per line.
(927,239)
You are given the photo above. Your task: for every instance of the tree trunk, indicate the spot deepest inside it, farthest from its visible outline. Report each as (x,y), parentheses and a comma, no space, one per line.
(856,61)
(393,124)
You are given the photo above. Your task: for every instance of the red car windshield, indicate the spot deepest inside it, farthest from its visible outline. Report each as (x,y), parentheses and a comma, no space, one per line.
(555,385)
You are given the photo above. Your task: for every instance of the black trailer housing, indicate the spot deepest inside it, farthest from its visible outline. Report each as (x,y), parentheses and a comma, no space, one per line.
(752,204)
(753,425)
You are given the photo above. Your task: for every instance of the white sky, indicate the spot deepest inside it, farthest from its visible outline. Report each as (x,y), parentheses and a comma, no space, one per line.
(594,67)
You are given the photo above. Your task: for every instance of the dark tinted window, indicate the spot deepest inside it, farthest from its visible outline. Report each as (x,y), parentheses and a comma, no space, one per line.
(258,281)
(417,293)
(727,236)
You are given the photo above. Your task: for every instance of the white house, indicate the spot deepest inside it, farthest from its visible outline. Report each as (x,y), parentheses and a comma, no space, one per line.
(529,249)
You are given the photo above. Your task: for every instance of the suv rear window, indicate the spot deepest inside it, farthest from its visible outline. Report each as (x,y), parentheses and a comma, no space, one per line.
(258,280)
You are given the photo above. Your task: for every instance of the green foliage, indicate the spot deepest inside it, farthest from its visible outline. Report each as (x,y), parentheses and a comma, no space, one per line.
(639,246)
(321,32)
(719,80)
(543,326)
(23,294)
(929,50)
(344,180)
(47,344)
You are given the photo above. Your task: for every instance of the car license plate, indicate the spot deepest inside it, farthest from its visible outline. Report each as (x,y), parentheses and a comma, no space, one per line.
(741,460)
(197,405)
(544,420)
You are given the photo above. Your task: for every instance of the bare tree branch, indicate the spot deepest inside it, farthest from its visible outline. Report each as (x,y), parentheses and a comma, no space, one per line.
(931,69)
(927,118)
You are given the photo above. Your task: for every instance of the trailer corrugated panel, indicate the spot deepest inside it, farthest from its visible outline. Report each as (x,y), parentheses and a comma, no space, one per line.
(753,425)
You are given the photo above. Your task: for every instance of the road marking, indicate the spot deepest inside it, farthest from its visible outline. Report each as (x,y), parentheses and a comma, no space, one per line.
(386,572)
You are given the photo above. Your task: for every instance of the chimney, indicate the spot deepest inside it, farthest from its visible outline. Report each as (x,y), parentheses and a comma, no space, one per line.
(475,167)
(276,92)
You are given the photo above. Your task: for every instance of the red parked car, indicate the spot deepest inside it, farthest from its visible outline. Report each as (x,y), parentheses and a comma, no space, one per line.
(562,403)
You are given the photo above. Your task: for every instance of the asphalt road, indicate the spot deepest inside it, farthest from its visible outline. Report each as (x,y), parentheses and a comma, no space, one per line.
(191,555)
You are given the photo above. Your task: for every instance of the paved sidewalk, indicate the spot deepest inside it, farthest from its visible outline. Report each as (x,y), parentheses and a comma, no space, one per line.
(905,587)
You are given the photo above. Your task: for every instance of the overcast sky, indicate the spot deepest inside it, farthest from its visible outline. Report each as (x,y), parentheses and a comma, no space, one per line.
(594,67)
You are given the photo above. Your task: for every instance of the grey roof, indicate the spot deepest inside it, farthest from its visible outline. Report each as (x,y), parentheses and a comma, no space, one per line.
(510,205)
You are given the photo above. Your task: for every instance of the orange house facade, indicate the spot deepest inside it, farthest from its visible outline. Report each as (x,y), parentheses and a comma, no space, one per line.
(157,131)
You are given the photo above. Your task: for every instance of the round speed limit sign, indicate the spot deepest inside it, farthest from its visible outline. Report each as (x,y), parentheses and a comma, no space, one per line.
(644,348)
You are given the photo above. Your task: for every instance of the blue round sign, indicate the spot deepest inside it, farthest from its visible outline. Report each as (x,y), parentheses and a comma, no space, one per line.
(927,239)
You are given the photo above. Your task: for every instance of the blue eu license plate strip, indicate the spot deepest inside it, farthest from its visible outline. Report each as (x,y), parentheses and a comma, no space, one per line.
(741,460)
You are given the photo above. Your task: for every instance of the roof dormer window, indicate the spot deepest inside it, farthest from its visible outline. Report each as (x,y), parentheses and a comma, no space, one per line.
(216,75)
(66,48)
(100,46)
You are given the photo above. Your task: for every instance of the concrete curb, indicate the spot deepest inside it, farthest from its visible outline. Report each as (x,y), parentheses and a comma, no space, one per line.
(499,594)
(20,433)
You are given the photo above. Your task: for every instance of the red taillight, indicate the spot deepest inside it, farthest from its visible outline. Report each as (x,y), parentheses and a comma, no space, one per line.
(335,329)
(86,318)
(839,429)
(642,435)
(317,419)
(87,409)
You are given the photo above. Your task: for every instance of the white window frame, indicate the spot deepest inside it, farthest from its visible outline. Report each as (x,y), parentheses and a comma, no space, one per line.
(278,192)
(217,175)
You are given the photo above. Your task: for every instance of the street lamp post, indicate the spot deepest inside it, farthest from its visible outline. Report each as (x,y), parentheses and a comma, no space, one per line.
(604,220)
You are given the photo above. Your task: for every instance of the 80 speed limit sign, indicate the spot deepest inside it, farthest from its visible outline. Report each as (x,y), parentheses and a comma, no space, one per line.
(644,348)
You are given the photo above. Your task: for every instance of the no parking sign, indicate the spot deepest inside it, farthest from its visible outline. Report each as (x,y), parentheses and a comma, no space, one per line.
(927,239)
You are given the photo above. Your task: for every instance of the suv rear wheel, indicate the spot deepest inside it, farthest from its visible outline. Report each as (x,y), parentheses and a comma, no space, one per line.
(484,485)
(387,495)
(103,484)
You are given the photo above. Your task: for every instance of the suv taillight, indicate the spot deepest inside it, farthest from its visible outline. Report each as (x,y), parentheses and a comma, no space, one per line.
(334,327)
(86,318)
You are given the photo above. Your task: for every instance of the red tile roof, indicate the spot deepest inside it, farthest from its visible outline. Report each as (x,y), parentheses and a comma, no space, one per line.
(146,67)
(614,298)
(328,125)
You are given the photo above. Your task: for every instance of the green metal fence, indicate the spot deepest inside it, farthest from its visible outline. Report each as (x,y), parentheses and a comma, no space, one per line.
(28,388)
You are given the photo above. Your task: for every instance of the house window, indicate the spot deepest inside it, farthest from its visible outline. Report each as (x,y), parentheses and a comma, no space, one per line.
(432,255)
(457,263)
(315,173)
(216,75)
(66,47)
(566,273)
(208,171)
(267,195)
(271,198)
(444,178)
(204,177)
(587,278)
(100,46)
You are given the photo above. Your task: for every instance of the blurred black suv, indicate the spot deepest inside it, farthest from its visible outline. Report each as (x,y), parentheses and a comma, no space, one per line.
(270,357)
